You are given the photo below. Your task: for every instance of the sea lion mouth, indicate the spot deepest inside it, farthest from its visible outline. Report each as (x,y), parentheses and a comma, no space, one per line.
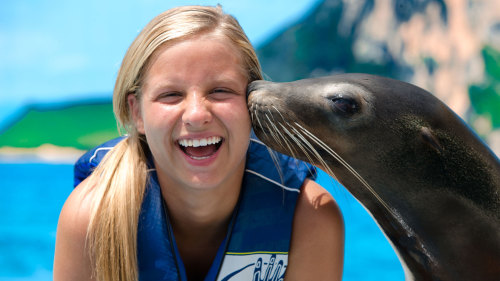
(200,149)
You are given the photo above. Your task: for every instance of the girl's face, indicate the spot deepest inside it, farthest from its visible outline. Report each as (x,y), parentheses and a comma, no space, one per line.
(193,113)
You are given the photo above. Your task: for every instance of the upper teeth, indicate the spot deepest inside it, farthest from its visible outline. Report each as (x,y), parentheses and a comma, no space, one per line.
(199,142)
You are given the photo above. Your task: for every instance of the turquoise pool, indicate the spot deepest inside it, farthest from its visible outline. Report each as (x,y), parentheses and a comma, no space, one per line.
(33,195)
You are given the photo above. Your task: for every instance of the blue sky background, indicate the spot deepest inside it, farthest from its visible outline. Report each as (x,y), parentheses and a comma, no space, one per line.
(60,50)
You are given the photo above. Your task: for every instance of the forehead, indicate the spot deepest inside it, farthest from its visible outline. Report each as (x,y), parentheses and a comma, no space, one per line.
(208,55)
(197,45)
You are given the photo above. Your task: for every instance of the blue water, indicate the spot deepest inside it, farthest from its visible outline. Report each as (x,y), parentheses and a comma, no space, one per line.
(33,195)
(368,254)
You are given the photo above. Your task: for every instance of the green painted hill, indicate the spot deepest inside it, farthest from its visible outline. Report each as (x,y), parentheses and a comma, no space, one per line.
(485,97)
(81,125)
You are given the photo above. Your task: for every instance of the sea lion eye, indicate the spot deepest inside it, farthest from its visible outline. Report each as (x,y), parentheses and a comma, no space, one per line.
(346,106)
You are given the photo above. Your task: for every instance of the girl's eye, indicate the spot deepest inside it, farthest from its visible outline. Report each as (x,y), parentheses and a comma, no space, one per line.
(221,90)
(170,97)
(221,93)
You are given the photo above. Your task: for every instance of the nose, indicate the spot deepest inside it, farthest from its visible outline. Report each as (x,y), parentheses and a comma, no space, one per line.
(197,111)
(254,85)
(258,85)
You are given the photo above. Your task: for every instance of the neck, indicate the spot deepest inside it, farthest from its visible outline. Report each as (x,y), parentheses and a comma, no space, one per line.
(201,211)
(200,219)
(205,214)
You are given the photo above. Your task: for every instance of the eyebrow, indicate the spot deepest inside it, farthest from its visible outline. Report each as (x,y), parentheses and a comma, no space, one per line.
(172,83)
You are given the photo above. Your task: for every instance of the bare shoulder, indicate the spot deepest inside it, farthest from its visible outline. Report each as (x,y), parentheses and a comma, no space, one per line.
(71,259)
(317,247)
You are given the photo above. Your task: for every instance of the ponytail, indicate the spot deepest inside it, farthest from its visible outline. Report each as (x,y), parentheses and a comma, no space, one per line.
(119,183)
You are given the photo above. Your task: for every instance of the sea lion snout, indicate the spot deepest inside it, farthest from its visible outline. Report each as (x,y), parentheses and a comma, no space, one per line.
(256,86)
(263,95)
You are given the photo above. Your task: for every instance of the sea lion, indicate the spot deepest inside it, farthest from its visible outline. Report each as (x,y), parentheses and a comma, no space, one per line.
(429,182)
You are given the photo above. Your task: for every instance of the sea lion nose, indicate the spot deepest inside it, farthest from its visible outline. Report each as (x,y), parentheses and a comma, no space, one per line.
(256,85)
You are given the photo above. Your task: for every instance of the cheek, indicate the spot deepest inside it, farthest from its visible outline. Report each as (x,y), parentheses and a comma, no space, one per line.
(239,117)
(157,120)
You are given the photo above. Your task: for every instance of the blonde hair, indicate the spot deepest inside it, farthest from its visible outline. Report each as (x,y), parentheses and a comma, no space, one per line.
(120,179)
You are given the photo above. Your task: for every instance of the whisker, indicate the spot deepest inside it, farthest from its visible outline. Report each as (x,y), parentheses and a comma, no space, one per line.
(290,148)
(260,124)
(299,144)
(274,122)
(320,158)
(276,162)
(314,151)
(346,165)
(273,126)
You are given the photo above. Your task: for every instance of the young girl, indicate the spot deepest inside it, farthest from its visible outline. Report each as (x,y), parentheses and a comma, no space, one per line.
(187,195)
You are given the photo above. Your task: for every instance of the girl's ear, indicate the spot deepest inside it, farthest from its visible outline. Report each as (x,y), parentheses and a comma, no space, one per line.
(135,108)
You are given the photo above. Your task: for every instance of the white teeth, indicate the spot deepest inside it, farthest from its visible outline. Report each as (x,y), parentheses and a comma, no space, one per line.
(196,143)
(200,158)
(199,142)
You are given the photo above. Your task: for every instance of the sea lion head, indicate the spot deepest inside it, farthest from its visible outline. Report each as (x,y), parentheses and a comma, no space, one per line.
(392,134)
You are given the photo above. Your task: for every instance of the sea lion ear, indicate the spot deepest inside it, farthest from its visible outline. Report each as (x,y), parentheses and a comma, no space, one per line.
(431,140)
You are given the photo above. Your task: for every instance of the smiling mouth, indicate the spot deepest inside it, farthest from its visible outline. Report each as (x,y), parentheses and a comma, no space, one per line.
(199,149)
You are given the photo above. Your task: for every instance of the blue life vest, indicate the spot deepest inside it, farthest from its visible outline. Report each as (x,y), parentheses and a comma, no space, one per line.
(258,239)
